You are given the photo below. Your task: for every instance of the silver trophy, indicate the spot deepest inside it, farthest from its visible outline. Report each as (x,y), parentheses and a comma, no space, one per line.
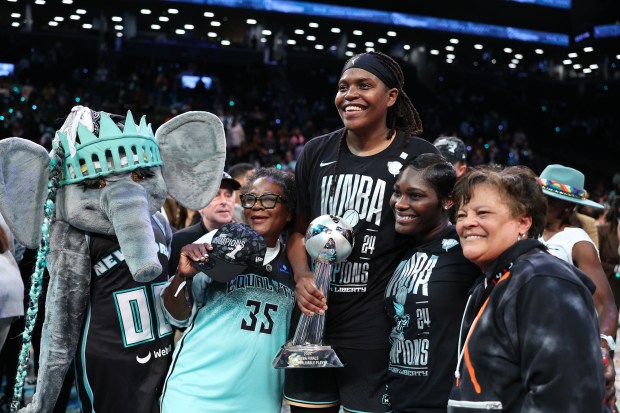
(328,240)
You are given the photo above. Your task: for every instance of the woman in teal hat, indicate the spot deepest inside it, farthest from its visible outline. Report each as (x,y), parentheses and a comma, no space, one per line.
(564,238)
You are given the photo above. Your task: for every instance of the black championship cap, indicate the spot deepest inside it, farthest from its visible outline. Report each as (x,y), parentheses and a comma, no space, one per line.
(233,182)
(236,248)
(451,148)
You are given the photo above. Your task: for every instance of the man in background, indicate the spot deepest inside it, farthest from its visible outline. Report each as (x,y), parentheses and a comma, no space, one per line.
(240,172)
(455,152)
(213,216)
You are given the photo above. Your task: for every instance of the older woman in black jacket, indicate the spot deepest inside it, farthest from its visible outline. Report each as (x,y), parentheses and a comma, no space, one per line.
(531,337)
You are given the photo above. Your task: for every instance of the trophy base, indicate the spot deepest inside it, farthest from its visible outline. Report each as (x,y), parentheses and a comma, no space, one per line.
(306,357)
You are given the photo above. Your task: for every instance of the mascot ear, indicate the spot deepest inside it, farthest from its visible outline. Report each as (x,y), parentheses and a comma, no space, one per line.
(23,188)
(193,148)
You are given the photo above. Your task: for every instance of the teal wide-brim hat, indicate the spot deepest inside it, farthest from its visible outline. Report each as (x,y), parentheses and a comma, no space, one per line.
(565,183)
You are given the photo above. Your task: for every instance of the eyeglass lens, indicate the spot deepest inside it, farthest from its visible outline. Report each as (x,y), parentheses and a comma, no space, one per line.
(267,201)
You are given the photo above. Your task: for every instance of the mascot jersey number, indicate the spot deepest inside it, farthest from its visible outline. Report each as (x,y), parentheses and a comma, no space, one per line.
(91,206)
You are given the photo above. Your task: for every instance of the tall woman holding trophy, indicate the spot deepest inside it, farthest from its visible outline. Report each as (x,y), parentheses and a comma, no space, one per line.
(350,173)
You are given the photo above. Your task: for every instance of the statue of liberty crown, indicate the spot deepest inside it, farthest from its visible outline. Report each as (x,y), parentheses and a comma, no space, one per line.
(113,151)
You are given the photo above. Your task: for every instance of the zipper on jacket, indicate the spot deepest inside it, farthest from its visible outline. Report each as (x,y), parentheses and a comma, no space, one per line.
(459,354)
(463,354)
(486,405)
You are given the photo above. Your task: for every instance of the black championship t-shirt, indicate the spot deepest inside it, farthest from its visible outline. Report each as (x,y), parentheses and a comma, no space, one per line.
(425,300)
(126,343)
(364,184)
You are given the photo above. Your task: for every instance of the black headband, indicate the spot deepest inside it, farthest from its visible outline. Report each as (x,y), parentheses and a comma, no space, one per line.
(371,63)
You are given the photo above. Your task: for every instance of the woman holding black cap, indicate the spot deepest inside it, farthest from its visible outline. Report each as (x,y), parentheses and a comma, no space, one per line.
(235,326)
(353,170)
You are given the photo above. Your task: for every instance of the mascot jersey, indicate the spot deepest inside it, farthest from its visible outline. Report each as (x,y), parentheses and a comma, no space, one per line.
(223,361)
(125,346)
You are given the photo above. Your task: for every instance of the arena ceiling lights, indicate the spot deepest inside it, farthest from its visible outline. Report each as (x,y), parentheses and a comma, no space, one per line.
(528,59)
(317,28)
(391,18)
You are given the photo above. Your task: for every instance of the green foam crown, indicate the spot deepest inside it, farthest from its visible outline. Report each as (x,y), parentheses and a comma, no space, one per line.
(112,152)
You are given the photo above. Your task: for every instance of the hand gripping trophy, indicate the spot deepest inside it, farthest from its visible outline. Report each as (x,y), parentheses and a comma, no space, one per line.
(329,239)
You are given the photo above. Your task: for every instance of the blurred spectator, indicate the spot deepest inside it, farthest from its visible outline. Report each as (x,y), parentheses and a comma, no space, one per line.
(235,138)
(178,216)
(269,148)
(455,152)
(297,141)
(213,216)
(608,233)
(240,173)
(616,186)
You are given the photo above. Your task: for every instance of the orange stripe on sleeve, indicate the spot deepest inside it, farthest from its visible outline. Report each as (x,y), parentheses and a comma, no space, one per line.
(468,364)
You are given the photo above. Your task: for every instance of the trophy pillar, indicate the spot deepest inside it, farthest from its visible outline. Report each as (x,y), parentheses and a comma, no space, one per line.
(329,239)
(306,349)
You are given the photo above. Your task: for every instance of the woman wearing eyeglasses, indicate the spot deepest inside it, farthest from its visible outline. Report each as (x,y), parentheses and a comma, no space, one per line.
(223,361)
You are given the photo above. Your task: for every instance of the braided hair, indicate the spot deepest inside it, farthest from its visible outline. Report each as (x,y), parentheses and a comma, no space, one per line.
(56,158)
(400,116)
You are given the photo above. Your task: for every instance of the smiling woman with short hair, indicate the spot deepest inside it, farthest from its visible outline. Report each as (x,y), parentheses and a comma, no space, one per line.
(530,336)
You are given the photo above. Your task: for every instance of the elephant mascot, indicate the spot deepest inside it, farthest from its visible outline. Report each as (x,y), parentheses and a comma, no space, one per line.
(92,206)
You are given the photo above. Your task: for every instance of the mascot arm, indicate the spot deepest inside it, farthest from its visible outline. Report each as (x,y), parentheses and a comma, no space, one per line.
(67,298)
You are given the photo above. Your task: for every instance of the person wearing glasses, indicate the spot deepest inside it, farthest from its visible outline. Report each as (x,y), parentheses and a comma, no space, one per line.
(223,361)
